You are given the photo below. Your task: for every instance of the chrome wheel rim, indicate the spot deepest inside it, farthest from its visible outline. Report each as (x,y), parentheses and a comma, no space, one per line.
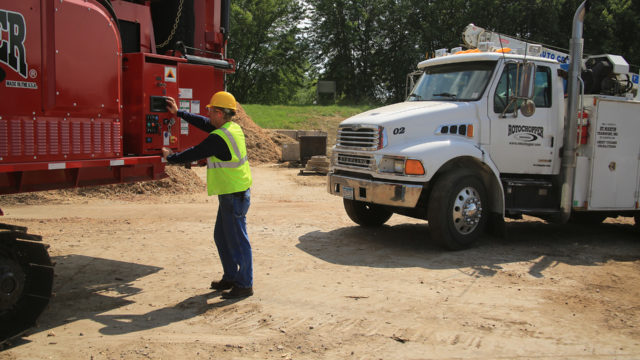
(467,210)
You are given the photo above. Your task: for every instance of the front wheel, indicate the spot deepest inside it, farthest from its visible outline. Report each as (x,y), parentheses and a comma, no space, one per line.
(455,211)
(366,214)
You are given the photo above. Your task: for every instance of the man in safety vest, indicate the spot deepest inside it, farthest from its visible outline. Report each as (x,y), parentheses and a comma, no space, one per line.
(229,177)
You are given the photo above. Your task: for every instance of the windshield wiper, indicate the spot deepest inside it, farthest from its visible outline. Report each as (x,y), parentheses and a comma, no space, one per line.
(446,94)
(416,96)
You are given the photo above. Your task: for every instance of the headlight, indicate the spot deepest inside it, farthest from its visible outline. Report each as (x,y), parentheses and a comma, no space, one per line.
(391,164)
(400,165)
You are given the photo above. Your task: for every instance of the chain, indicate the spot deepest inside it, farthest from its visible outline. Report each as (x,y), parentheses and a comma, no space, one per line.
(175,26)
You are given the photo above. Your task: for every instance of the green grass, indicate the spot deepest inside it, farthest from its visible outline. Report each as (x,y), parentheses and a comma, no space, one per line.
(300,117)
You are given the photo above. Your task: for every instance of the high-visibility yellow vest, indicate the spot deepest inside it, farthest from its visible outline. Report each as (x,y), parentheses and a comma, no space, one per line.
(226,177)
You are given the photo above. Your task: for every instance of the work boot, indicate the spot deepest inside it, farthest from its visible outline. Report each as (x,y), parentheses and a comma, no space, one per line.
(238,292)
(221,285)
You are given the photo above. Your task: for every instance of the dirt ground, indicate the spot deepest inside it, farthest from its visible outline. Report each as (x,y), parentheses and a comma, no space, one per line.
(133,272)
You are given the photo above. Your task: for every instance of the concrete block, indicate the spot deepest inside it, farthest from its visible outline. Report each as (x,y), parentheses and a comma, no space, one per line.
(311,133)
(291,152)
(290,133)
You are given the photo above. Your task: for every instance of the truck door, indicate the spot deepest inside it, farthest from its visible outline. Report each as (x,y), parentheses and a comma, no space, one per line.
(520,144)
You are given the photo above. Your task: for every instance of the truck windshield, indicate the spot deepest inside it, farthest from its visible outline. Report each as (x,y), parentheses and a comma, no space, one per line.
(464,81)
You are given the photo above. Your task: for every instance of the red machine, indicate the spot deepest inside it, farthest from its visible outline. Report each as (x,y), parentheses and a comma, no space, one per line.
(82,87)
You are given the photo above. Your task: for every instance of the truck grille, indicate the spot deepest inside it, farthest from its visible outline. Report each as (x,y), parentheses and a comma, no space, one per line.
(362,137)
(355,161)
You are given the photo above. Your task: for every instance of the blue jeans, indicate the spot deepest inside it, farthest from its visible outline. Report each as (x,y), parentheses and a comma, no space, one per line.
(232,241)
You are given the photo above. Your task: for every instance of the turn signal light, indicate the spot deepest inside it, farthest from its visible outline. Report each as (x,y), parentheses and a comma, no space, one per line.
(470,130)
(413,167)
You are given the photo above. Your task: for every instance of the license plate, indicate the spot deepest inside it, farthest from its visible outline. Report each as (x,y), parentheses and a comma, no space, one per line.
(347,192)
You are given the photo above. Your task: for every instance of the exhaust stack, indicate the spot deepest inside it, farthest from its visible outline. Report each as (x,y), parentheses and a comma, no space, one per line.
(568,170)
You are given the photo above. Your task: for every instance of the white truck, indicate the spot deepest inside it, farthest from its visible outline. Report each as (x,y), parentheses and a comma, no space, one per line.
(486,135)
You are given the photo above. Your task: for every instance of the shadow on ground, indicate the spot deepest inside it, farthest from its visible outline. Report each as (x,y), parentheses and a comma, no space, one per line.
(542,244)
(88,287)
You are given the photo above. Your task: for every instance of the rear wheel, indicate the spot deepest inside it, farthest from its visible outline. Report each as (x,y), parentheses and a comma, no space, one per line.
(366,214)
(455,210)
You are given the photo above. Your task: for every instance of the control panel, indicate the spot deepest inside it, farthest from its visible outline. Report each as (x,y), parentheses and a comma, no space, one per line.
(153,124)
(148,80)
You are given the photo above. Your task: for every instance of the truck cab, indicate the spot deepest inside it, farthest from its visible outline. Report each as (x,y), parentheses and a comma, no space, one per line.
(479,138)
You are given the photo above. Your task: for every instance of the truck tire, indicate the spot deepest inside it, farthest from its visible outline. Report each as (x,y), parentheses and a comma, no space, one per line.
(366,214)
(455,209)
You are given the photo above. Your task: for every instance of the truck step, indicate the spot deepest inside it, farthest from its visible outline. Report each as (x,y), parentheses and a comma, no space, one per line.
(527,182)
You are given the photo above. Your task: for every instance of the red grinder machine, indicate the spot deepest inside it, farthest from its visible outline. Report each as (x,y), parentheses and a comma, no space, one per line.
(82,87)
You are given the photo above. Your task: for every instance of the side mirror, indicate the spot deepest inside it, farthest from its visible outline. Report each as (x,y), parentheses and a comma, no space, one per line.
(528,107)
(526,90)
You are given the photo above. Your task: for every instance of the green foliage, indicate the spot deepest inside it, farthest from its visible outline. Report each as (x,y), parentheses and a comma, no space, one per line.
(369,46)
(269,49)
(299,117)
(306,94)
(610,27)
(350,41)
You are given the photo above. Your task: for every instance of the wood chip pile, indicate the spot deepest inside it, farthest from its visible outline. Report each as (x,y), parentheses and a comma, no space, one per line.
(263,146)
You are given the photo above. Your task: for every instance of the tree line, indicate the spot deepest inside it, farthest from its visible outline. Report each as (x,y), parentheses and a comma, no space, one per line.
(283,47)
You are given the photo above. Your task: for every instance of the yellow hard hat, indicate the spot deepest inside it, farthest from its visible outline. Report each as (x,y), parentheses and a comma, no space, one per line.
(223,99)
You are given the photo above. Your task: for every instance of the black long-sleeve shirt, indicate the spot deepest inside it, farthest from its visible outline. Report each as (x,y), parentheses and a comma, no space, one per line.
(212,145)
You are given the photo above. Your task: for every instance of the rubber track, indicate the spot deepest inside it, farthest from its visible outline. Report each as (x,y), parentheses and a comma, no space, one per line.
(28,251)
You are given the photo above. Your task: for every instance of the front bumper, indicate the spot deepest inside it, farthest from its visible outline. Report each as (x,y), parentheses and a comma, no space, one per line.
(377,192)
